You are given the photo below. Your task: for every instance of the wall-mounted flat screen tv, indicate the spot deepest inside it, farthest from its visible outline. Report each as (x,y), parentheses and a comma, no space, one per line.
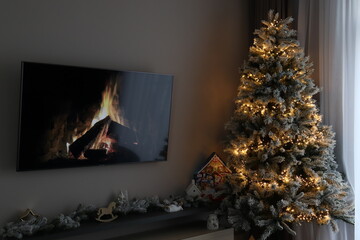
(76,116)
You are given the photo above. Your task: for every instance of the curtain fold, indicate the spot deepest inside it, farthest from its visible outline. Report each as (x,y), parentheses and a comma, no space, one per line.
(327,30)
(357,115)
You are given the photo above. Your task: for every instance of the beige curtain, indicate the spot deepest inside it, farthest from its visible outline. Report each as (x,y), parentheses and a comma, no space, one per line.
(326,30)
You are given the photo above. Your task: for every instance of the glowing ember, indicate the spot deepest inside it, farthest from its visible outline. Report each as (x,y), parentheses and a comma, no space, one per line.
(102,141)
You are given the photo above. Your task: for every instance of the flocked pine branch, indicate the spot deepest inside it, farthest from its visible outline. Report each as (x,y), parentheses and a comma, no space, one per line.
(281,153)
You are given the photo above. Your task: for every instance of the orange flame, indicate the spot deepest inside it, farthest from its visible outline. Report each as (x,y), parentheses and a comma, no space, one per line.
(109,105)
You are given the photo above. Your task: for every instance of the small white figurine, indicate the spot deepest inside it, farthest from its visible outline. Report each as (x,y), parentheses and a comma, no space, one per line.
(173,208)
(213,222)
(192,190)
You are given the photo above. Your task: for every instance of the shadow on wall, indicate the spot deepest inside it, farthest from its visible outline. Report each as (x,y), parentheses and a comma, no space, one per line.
(218,82)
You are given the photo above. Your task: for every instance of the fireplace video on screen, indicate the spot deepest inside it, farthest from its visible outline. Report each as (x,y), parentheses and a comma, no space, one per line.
(73,116)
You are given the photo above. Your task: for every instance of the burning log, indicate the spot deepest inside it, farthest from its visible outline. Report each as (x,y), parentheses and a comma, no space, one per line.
(105,137)
(85,141)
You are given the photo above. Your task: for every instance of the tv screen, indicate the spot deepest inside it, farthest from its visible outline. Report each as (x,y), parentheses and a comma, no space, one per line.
(76,116)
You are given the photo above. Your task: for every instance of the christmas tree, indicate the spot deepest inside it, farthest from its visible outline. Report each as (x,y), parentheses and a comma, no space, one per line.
(281,154)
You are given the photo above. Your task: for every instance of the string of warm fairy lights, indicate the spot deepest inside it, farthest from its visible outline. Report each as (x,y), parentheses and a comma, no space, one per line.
(322,217)
(281,154)
(287,111)
(252,109)
(300,141)
(284,178)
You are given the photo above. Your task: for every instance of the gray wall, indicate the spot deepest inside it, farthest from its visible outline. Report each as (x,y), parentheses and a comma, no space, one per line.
(201,42)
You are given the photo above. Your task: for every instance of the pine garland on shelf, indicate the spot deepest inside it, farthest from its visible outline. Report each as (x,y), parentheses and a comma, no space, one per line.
(34,224)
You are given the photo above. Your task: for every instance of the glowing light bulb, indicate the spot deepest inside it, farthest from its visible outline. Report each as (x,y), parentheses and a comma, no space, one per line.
(236,152)
(244,151)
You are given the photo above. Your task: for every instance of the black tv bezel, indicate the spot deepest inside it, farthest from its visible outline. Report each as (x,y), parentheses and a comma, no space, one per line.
(21,92)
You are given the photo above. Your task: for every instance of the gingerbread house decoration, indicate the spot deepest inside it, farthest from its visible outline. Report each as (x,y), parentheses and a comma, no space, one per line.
(213,174)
